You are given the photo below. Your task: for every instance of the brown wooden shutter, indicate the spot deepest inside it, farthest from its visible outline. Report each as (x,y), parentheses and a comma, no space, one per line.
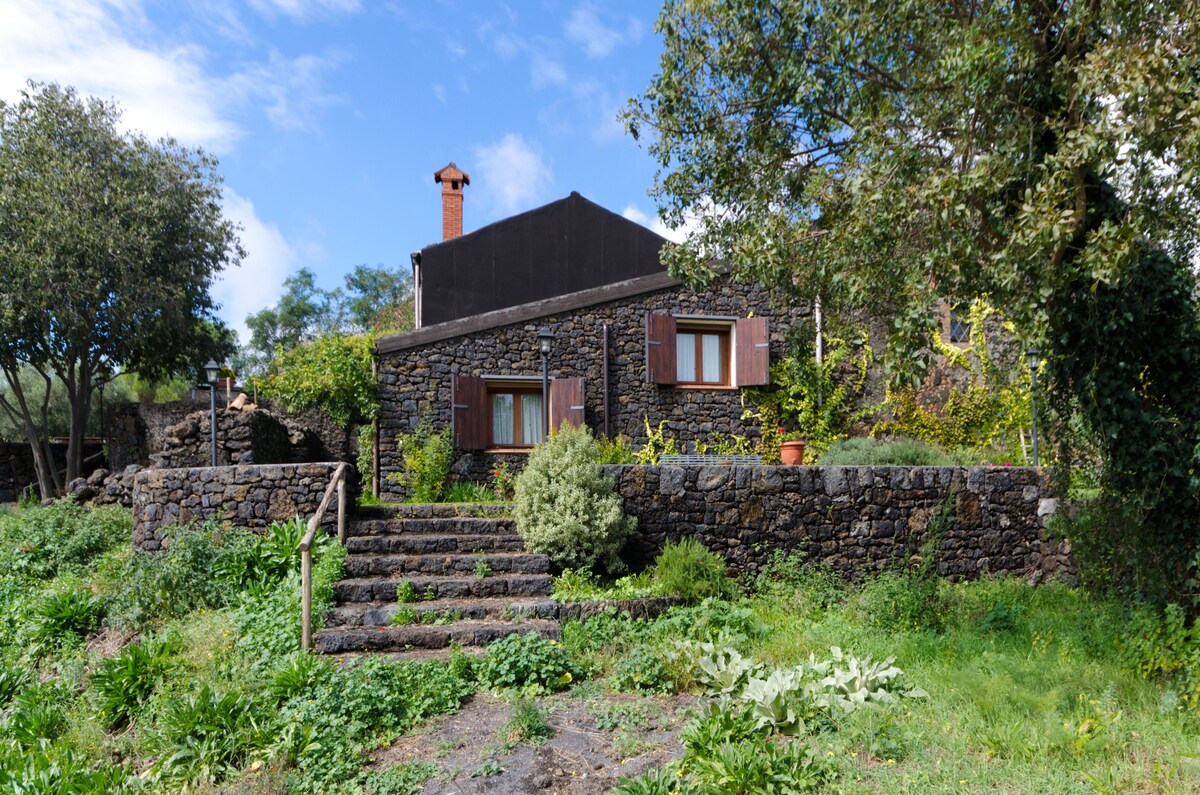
(753,352)
(660,349)
(470,417)
(566,402)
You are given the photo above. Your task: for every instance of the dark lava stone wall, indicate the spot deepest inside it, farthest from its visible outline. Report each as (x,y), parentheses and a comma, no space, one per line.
(17,470)
(855,519)
(418,379)
(240,496)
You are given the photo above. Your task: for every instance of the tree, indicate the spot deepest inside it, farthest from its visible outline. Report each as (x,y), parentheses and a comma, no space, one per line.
(880,154)
(108,246)
(376,300)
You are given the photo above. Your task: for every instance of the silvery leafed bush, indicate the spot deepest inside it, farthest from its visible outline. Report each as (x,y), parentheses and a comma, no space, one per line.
(566,508)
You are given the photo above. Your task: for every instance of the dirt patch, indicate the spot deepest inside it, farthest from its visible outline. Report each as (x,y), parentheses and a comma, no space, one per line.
(598,739)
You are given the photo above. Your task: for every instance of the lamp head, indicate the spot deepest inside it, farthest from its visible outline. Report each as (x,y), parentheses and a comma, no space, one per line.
(545,338)
(212,371)
(1032,357)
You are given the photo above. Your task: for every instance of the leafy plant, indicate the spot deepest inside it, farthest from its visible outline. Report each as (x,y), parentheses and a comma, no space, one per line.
(614,451)
(566,508)
(482,568)
(207,736)
(427,457)
(300,673)
(468,491)
(332,372)
(689,570)
(656,445)
(504,484)
(406,592)
(526,662)
(62,537)
(68,614)
(874,452)
(125,682)
(644,669)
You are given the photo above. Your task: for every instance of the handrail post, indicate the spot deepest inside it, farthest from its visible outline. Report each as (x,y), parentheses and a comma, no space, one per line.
(305,597)
(342,507)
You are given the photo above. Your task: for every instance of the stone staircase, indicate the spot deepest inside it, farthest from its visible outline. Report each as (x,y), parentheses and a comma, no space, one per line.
(427,576)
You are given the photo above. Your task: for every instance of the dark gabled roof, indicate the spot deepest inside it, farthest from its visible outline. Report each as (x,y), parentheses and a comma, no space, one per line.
(565,247)
(525,312)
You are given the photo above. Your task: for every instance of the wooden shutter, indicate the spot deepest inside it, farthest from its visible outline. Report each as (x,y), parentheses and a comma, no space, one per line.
(660,349)
(566,402)
(753,352)
(470,416)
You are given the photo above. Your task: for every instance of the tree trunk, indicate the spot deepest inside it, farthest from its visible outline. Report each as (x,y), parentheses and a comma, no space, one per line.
(43,459)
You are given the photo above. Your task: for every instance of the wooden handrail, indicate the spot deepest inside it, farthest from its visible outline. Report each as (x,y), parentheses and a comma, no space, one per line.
(336,484)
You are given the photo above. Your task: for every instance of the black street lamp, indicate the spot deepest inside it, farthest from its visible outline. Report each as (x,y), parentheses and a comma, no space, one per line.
(1031,356)
(545,339)
(212,371)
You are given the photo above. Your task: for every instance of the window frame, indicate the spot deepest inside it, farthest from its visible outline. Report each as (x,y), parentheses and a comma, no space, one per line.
(698,328)
(516,388)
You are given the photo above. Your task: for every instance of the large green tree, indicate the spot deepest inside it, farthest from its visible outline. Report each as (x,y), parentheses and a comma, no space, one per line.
(108,246)
(883,153)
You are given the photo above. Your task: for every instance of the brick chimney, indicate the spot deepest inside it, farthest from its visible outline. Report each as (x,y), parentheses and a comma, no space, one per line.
(452,180)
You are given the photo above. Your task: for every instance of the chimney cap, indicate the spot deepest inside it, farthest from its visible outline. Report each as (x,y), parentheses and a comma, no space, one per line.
(451,173)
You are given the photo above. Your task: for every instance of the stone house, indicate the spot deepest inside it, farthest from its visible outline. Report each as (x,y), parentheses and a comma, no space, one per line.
(631,344)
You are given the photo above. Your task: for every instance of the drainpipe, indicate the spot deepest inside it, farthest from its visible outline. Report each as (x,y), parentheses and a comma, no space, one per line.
(820,347)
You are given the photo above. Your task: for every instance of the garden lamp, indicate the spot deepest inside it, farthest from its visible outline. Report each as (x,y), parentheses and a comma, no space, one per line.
(545,339)
(1031,356)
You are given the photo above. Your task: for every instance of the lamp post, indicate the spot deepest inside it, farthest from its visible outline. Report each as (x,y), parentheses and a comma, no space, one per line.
(545,338)
(1031,356)
(211,371)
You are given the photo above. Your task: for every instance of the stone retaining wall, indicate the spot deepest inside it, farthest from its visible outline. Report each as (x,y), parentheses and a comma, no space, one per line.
(18,472)
(241,496)
(855,519)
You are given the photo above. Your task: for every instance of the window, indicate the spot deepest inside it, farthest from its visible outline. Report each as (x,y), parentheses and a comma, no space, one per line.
(516,416)
(702,355)
(506,411)
(713,352)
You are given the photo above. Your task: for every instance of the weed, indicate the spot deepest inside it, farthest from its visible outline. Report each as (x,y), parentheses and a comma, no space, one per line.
(488,768)
(690,571)
(644,669)
(406,593)
(404,616)
(614,715)
(482,568)
(526,662)
(124,683)
(527,725)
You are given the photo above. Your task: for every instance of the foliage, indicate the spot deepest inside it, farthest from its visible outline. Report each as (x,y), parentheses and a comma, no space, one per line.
(1161,645)
(469,491)
(375,300)
(427,458)
(817,399)
(614,451)
(526,662)
(566,508)
(68,615)
(889,155)
(644,669)
(333,372)
(504,484)
(108,246)
(873,452)
(61,538)
(656,445)
(207,736)
(583,585)
(364,452)
(689,570)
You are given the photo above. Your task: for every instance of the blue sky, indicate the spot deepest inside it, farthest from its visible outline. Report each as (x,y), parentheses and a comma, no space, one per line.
(330,116)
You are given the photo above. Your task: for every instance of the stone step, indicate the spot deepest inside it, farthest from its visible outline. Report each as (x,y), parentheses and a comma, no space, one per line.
(343,640)
(357,614)
(428,544)
(379,589)
(469,525)
(448,565)
(434,511)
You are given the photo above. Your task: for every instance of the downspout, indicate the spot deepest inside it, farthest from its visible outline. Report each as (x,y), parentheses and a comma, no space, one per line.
(820,346)
(415,259)
(604,374)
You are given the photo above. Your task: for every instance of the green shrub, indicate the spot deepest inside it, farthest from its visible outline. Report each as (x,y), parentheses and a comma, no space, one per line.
(873,452)
(526,662)
(427,458)
(300,673)
(36,717)
(332,373)
(566,508)
(689,570)
(208,737)
(613,451)
(901,602)
(60,538)
(57,770)
(364,455)
(123,683)
(1165,645)
(68,615)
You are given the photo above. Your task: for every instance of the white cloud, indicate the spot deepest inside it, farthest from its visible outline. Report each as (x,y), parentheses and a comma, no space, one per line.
(439,91)
(108,49)
(258,283)
(512,175)
(655,224)
(599,40)
(546,71)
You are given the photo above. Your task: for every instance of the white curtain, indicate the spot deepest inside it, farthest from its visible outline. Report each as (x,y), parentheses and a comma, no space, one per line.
(531,419)
(711,355)
(502,419)
(685,357)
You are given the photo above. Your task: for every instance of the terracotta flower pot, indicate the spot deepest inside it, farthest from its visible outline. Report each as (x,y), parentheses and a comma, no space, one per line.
(792,453)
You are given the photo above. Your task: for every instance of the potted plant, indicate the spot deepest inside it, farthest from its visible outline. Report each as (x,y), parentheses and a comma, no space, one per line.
(791,448)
